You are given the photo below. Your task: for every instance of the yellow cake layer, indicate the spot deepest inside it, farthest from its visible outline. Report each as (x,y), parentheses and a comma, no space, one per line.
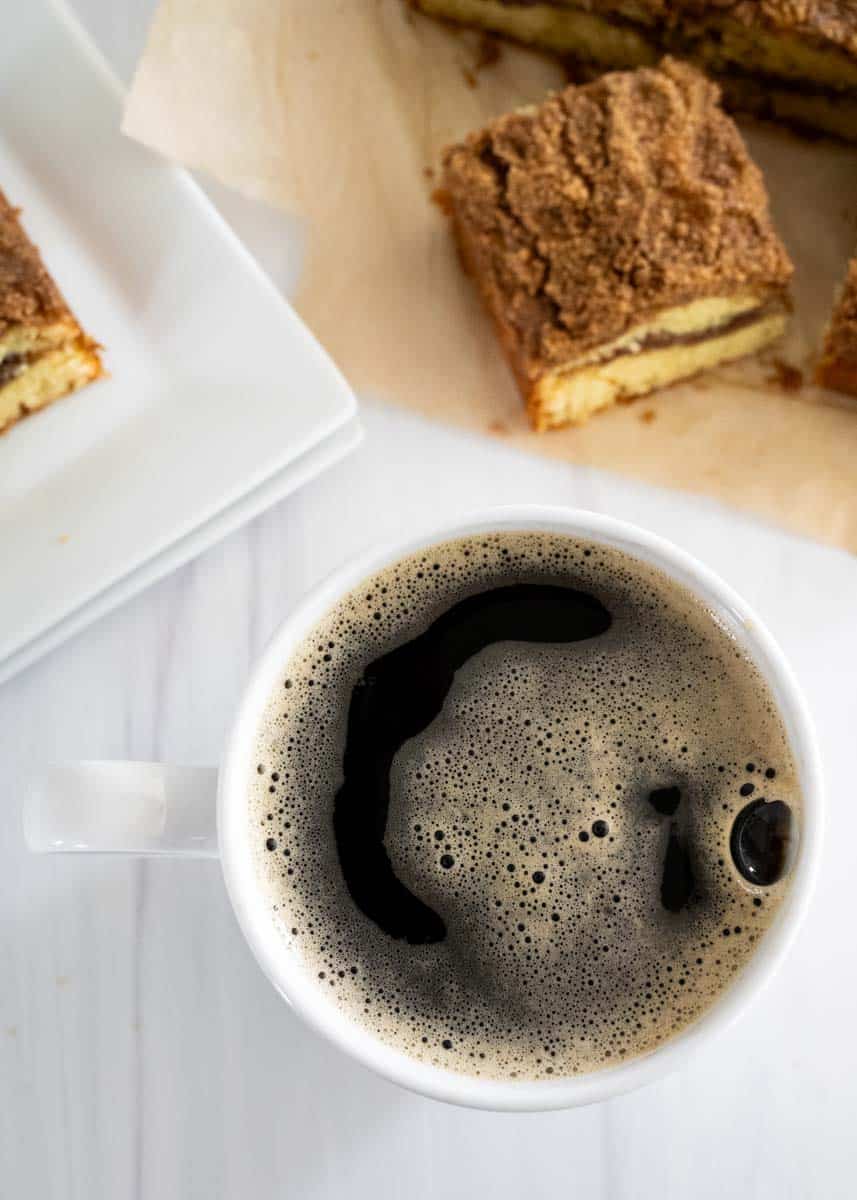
(52,375)
(571,397)
(565,31)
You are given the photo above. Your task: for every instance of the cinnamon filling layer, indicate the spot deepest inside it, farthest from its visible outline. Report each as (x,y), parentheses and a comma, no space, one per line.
(663,340)
(12,366)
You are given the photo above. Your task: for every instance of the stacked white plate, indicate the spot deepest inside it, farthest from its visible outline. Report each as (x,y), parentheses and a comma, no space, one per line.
(218,400)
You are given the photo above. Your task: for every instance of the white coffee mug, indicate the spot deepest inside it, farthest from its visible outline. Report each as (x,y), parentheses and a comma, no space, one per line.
(150,808)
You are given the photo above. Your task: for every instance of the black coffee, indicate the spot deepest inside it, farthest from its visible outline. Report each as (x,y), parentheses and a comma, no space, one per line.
(523,806)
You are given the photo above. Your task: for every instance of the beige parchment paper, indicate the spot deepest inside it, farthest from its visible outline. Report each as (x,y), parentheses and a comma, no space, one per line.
(336,110)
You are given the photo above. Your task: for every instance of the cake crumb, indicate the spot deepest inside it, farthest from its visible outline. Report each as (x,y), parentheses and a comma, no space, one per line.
(488,52)
(647,416)
(785,376)
(500,428)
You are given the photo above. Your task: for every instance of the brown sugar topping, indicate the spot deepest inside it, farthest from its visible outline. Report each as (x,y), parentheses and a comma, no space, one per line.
(28,295)
(610,203)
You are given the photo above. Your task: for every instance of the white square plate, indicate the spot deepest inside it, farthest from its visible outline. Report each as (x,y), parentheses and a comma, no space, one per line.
(219,400)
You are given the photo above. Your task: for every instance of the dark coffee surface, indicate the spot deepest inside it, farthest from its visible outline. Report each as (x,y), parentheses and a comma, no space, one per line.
(522,806)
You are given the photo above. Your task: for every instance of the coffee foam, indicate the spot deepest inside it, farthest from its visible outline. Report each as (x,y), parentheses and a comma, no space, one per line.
(522,816)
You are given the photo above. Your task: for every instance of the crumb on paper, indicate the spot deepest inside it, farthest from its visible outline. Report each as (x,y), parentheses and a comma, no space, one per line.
(500,428)
(313,56)
(489,51)
(574,71)
(785,376)
(62,981)
(647,416)
(428,172)
(12,1031)
(63,538)
(486,54)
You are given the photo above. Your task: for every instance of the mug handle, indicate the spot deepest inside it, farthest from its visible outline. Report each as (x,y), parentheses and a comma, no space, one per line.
(123,808)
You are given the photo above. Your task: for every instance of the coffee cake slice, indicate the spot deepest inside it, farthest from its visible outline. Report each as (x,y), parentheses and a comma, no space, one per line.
(792,60)
(620,238)
(44,354)
(837,367)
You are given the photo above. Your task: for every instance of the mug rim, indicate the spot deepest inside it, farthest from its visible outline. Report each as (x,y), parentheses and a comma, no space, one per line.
(306,997)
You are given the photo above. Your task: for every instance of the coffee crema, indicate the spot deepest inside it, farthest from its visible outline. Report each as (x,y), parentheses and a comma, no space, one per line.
(522,805)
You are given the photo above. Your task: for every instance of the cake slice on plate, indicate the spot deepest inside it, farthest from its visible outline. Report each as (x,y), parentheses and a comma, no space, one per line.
(44,353)
(620,238)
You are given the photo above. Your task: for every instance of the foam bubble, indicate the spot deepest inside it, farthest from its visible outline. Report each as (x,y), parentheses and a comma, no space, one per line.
(567,815)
